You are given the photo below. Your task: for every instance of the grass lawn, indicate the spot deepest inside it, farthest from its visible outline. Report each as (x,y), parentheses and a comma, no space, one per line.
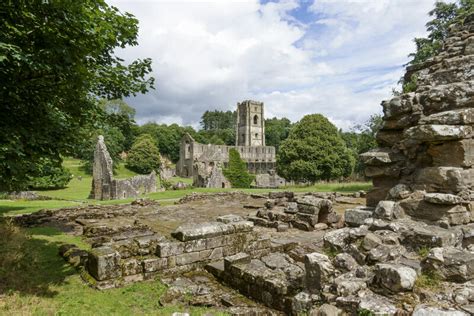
(77,191)
(50,286)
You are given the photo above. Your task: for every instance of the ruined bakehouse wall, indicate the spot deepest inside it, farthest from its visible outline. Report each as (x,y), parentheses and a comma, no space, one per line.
(105,187)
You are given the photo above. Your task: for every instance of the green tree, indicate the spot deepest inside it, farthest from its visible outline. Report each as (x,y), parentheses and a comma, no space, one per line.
(314,150)
(144,156)
(168,137)
(122,116)
(50,176)
(56,60)
(444,15)
(361,139)
(276,131)
(237,172)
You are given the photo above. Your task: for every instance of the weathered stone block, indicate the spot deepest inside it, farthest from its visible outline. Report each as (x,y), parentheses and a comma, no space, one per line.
(440,198)
(444,179)
(241,226)
(416,235)
(237,258)
(452,263)
(169,248)
(229,218)
(394,277)
(154,264)
(337,239)
(356,216)
(433,133)
(215,242)
(201,230)
(453,117)
(104,263)
(376,194)
(195,245)
(131,267)
(453,153)
(319,271)
(387,210)
(187,258)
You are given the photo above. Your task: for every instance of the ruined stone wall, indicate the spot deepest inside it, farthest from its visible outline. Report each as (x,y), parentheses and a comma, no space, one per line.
(209,176)
(143,254)
(259,159)
(105,187)
(426,143)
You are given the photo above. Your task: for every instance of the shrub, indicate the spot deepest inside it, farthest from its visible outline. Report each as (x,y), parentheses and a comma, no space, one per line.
(237,172)
(144,156)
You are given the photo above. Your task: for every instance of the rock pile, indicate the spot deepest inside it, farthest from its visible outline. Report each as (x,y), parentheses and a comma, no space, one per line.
(284,210)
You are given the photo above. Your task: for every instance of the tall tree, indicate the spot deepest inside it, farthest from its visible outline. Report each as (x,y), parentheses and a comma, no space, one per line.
(56,60)
(144,156)
(276,131)
(314,151)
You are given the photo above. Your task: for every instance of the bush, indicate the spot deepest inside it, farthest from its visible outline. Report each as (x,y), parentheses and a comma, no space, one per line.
(50,175)
(237,172)
(314,151)
(144,156)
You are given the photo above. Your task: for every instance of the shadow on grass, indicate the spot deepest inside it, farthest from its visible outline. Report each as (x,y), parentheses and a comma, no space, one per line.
(29,264)
(6,209)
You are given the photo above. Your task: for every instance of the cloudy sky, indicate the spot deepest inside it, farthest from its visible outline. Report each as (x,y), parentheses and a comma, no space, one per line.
(335,57)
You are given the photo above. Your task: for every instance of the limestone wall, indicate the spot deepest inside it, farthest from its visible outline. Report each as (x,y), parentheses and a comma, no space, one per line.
(105,187)
(426,151)
(144,254)
(259,159)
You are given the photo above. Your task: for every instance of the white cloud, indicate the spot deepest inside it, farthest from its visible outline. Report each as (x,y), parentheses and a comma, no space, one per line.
(210,55)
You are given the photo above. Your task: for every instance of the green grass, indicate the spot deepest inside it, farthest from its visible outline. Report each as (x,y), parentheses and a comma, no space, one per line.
(50,286)
(77,191)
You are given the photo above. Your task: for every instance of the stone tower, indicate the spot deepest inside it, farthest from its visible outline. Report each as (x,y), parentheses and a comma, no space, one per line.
(250,127)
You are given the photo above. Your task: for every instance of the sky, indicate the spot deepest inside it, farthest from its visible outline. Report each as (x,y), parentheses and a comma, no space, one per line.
(340,58)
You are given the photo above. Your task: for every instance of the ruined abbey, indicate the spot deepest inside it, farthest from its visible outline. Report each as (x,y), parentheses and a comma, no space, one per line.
(204,162)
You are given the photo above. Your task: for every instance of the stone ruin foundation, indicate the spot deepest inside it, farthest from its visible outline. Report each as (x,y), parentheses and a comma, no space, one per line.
(410,251)
(105,187)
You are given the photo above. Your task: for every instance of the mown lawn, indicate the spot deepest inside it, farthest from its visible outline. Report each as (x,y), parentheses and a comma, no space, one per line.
(77,191)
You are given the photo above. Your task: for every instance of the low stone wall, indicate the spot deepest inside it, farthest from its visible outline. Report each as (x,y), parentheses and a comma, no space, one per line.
(134,186)
(141,254)
(274,279)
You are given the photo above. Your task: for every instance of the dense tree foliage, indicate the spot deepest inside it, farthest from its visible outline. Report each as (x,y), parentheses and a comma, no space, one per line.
(362,139)
(115,121)
(49,176)
(56,60)
(218,127)
(236,171)
(276,131)
(314,150)
(217,120)
(168,137)
(144,156)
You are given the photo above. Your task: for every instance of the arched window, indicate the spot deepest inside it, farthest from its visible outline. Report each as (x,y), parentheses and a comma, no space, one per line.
(255,119)
(256,135)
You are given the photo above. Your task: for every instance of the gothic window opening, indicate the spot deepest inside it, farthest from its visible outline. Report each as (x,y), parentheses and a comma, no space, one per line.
(255,119)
